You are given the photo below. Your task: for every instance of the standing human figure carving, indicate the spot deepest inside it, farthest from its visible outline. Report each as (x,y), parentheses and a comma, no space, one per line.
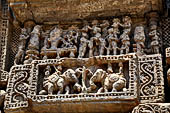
(113,37)
(22,45)
(84,40)
(46,87)
(35,38)
(94,41)
(105,25)
(125,39)
(154,35)
(55,38)
(139,38)
(33,46)
(72,37)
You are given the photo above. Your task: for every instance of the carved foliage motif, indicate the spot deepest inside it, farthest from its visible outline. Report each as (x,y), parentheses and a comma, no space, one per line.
(152,108)
(151,79)
(17,87)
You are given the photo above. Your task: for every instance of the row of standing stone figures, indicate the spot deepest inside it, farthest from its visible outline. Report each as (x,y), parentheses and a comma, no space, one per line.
(97,38)
(70,83)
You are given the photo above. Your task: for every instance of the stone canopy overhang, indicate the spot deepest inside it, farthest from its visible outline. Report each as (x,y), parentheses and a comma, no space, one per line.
(66,10)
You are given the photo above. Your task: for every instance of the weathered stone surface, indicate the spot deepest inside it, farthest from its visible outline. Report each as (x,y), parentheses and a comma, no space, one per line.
(83,56)
(2,97)
(62,10)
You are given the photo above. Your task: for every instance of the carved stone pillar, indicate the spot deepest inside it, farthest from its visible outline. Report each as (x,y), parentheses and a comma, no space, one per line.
(4,23)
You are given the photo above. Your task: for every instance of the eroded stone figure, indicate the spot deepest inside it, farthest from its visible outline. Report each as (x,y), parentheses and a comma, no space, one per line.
(33,46)
(2,97)
(70,78)
(78,87)
(112,40)
(84,41)
(98,77)
(55,38)
(95,39)
(61,83)
(46,35)
(19,58)
(115,81)
(154,36)
(71,39)
(168,77)
(112,37)
(52,82)
(46,84)
(35,38)
(139,38)
(102,46)
(105,25)
(125,39)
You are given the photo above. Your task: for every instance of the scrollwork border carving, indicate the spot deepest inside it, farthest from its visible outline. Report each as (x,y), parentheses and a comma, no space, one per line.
(151,78)
(17,86)
(152,108)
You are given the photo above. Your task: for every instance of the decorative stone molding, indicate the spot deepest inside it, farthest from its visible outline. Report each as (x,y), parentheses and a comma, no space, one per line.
(151,79)
(17,87)
(152,108)
(3,41)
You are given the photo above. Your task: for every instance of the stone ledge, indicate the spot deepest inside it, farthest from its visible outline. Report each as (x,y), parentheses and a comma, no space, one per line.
(66,10)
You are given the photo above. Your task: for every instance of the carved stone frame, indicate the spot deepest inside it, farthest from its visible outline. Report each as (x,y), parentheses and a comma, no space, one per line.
(151,78)
(130,96)
(17,86)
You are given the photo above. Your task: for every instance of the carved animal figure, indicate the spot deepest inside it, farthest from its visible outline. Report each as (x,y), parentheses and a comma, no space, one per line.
(98,77)
(114,82)
(58,83)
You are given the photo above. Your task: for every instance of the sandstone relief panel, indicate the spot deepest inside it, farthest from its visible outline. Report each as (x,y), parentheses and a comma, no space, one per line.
(82,56)
(103,60)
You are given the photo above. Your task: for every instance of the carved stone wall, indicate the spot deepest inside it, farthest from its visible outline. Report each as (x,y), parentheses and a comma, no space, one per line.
(83,56)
